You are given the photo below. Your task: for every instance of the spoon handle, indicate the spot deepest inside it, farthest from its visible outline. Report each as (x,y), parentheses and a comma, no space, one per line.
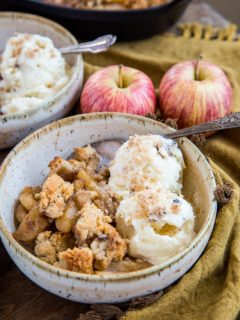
(98,45)
(228,122)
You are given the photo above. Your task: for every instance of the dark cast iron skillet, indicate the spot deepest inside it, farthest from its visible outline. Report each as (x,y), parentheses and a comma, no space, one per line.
(126,24)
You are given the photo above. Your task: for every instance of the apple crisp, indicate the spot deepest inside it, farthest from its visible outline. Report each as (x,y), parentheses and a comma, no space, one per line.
(111,207)
(108,4)
(69,221)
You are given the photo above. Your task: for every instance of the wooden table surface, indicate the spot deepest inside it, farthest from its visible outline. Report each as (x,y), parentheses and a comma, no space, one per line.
(21,299)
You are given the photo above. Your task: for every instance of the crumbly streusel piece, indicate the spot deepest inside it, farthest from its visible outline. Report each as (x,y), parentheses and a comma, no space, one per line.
(54,195)
(86,228)
(105,199)
(48,245)
(109,4)
(78,260)
(107,202)
(108,246)
(32,224)
(89,156)
(142,4)
(92,229)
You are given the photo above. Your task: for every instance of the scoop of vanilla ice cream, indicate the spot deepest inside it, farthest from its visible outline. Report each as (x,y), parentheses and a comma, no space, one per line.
(31,69)
(21,104)
(146,161)
(158,224)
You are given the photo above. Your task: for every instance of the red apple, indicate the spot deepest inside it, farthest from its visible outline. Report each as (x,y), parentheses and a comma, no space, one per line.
(119,89)
(194,92)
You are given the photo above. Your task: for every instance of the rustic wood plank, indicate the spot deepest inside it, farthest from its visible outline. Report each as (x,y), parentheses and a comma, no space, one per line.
(21,299)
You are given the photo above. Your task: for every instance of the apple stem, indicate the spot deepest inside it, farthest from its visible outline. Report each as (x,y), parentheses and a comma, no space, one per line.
(120,78)
(199,58)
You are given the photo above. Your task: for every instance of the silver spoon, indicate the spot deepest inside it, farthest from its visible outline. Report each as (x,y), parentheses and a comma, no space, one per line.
(108,148)
(98,45)
(229,122)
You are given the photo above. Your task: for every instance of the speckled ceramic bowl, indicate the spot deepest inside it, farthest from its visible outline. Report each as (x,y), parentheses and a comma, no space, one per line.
(15,127)
(27,165)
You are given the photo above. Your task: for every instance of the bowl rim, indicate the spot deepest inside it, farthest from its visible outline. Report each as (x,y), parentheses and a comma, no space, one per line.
(86,11)
(76,68)
(107,277)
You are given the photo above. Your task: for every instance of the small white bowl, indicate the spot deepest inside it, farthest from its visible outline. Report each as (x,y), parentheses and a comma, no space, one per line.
(17,126)
(27,165)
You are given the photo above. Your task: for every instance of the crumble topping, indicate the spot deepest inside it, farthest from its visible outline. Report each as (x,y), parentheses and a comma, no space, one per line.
(108,4)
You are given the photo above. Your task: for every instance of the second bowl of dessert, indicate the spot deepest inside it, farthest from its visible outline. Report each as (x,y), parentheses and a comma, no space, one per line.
(37,84)
(94,234)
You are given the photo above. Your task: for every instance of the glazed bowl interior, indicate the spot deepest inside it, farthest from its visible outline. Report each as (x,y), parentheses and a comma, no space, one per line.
(27,165)
(13,22)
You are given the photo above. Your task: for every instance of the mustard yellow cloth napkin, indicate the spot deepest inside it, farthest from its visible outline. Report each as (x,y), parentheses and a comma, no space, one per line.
(211,289)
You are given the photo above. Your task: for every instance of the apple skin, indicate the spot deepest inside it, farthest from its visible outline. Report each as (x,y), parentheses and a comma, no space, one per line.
(191,102)
(102,93)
